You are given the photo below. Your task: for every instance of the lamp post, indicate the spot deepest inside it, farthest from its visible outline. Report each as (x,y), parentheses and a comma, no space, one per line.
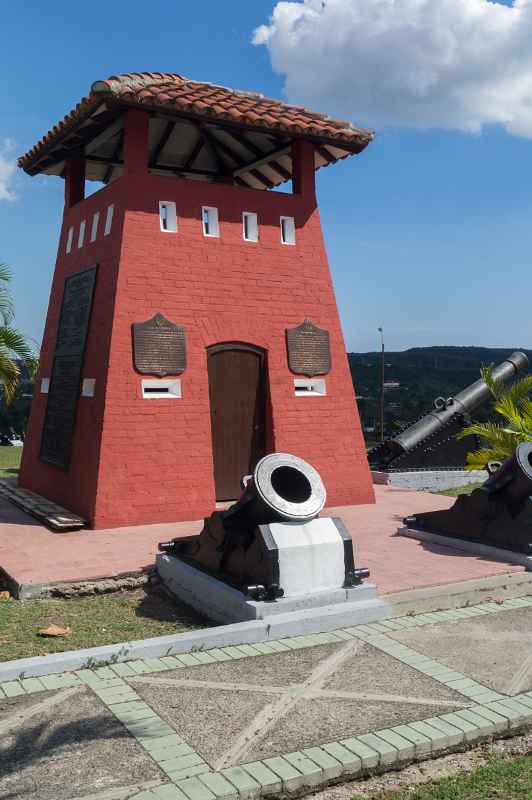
(382,385)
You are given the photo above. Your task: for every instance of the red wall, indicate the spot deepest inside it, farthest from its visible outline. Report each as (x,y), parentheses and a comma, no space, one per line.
(140,461)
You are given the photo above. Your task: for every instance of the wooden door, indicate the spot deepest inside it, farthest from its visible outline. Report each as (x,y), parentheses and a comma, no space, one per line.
(236,391)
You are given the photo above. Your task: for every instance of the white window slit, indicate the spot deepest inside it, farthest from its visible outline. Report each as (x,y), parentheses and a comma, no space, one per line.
(94,228)
(209,216)
(250,226)
(288,230)
(70,237)
(81,235)
(167,216)
(108,220)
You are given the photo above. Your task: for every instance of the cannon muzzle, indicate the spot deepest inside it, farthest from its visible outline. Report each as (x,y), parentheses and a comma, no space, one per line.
(283,488)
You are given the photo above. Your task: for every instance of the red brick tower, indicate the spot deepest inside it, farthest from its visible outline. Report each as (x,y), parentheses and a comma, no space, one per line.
(242,351)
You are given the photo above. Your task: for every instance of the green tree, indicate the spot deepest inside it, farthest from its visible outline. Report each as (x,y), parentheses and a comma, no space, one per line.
(13,344)
(513,405)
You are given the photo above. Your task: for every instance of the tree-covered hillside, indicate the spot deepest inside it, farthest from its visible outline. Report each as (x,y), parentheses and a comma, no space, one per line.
(423,373)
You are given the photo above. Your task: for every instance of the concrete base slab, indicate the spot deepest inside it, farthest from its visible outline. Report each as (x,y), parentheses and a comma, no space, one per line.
(492,649)
(485,550)
(320,611)
(460,594)
(430,480)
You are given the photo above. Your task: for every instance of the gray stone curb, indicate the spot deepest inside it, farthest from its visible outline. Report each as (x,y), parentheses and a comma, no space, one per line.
(488,551)
(257,632)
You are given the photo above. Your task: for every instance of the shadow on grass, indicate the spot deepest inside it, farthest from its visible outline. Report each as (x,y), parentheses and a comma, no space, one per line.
(157,604)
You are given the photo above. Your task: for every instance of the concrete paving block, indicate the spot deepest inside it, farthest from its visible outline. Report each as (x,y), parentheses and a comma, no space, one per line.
(387,753)
(312,772)
(462,685)
(189,772)
(12,688)
(344,634)
(219,786)
(291,777)
(120,694)
(131,706)
(421,742)
(164,755)
(205,657)
(499,723)
(469,729)
(450,675)
(351,763)
(218,654)
(405,749)
(155,664)
(523,714)
(453,736)
(132,717)
(195,789)
(434,734)
(233,652)
(330,767)
(521,698)
(122,670)
(242,780)
(32,685)
(89,677)
(104,672)
(147,795)
(487,696)
(168,792)
(265,648)
(162,742)
(369,757)
(171,662)
(149,728)
(60,681)
(179,763)
(278,647)
(270,783)
(140,667)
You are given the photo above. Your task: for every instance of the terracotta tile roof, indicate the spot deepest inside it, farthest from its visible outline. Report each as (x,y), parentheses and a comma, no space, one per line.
(179,95)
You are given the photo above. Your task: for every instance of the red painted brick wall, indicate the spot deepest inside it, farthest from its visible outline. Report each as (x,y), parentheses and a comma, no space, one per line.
(140,461)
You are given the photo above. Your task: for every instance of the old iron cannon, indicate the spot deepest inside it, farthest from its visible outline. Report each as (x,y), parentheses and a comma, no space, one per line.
(430,443)
(271,542)
(497,513)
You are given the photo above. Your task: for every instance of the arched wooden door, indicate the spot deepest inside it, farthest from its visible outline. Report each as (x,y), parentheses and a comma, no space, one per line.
(236,392)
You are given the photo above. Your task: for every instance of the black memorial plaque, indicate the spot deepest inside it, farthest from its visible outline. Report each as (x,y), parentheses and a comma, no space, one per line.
(65,382)
(309,350)
(159,347)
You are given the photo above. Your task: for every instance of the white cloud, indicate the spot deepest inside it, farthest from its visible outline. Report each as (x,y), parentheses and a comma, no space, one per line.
(8,166)
(457,64)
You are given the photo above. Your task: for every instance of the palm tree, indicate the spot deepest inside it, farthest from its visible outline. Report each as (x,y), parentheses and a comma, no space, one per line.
(514,405)
(13,344)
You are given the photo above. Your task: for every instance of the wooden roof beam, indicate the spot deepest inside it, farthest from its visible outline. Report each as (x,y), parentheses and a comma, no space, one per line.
(161,144)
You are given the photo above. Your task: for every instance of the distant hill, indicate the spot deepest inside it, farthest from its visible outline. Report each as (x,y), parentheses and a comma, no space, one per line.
(423,373)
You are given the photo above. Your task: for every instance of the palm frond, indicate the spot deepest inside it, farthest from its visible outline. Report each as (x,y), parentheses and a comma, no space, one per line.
(479,459)
(6,303)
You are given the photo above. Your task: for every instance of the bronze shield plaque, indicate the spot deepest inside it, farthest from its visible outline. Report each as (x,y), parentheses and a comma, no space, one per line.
(309,349)
(159,347)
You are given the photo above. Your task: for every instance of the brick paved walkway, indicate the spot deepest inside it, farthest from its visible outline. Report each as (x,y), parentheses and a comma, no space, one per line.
(32,555)
(250,721)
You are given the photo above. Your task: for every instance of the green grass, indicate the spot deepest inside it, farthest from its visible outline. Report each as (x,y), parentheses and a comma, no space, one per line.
(501,779)
(457,490)
(95,620)
(10,460)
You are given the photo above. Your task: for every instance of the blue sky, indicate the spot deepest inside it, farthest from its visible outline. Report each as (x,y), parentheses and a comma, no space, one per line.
(429,232)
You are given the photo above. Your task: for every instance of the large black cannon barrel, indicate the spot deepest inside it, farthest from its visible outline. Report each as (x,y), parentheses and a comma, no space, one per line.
(464,402)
